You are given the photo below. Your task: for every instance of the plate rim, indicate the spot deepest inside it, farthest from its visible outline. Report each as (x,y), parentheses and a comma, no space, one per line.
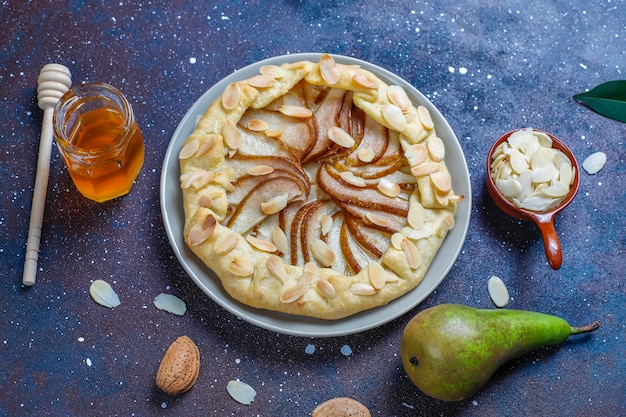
(267,319)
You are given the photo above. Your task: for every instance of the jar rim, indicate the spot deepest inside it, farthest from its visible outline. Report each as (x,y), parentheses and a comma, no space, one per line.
(80,94)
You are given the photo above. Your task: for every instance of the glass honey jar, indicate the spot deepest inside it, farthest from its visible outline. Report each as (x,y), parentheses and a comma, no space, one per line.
(99,140)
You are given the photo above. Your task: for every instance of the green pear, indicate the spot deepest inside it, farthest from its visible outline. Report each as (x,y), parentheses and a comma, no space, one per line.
(450,351)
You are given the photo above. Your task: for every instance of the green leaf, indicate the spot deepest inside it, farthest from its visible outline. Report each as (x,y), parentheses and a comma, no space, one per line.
(608,99)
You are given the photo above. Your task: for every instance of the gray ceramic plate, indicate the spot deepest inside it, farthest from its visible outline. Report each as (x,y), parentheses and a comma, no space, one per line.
(173,217)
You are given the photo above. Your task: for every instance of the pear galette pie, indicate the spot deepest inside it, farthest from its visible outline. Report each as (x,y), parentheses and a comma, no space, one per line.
(316,189)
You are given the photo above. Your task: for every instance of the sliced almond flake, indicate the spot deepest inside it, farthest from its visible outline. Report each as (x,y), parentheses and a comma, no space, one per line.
(241,267)
(442,198)
(366,155)
(365,80)
(497,160)
(544,173)
(425,168)
(273,71)
(425,118)
(436,148)
(225,242)
(446,225)
(230,96)
(211,140)
(417,214)
(389,188)
(232,135)
(544,140)
(416,154)
(277,268)
(103,294)
(397,96)
(261,81)
(555,190)
(442,181)
(295,111)
(377,220)
(202,230)
(396,240)
(205,201)
(326,224)
(412,254)
(275,205)
(509,187)
(560,158)
(280,239)
(326,288)
(377,275)
(241,392)
(594,163)
(322,252)
(329,70)
(352,179)
(197,179)
(394,116)
(228,186)
(259,170)
(228,172)
(566,175)
(261,244)
(340,137)
(170,303)
(189,149)
(360,288)
(311,269)
(391,277)
(257,125)
(273,133)
(423,232)
(292,294)
(498,292)
(518,161)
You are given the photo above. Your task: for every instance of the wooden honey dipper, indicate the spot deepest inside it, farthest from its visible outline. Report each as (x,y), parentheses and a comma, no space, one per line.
(54,80)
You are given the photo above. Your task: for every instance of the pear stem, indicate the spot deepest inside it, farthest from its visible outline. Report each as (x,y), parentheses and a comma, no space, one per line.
(585,329)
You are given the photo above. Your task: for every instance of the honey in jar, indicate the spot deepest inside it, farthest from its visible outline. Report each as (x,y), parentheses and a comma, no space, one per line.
(101,144)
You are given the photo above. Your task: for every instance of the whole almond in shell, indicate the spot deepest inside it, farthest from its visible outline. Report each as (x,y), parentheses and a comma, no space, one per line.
(179,367)
(341,407)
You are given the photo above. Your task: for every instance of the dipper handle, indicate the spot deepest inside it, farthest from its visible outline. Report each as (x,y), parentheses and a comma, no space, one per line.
(54,80)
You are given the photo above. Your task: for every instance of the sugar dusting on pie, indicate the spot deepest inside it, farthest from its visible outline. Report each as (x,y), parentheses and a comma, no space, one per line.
(316,189)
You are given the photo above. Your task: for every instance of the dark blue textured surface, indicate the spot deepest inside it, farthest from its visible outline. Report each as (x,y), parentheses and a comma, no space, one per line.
(489,67)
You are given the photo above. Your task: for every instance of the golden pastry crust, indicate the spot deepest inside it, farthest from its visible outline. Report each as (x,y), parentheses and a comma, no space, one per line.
(312,228)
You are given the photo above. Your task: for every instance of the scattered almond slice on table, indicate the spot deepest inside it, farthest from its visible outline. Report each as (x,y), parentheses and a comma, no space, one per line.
(498,292)
(594,162)
(241,392)
(103,294)
(170,303)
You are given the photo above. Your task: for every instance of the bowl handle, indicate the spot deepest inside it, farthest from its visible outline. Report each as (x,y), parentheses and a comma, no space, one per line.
(550,239)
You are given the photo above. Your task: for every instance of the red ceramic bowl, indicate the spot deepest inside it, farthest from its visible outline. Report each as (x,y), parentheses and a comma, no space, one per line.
(545,219)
